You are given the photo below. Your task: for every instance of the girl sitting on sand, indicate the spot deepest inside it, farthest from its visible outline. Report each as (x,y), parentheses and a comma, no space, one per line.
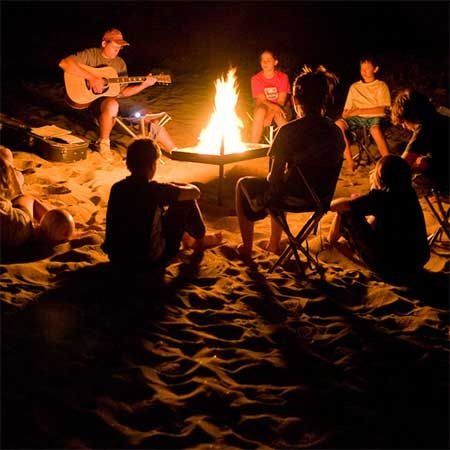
(393,241)
(24,218)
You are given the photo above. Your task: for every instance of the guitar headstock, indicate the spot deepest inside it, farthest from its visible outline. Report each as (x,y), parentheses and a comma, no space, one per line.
(164,78)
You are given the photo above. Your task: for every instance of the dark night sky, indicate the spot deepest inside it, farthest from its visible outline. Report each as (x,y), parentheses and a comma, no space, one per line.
(192,35)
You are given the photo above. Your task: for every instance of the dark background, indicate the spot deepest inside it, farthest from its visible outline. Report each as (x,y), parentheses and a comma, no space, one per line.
(186,36)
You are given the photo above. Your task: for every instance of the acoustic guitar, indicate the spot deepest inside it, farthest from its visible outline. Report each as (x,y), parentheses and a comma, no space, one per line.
(80,94)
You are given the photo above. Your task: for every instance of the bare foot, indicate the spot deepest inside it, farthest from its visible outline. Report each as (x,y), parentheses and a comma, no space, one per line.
(243,253)
(211,240)
(198,245)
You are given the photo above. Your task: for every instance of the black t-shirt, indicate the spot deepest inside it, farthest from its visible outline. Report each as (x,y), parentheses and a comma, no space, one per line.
(316,145)
(400,232)
(432,138)
(133,219)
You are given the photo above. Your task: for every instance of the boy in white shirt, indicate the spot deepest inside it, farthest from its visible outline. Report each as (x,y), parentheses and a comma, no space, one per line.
(366,105)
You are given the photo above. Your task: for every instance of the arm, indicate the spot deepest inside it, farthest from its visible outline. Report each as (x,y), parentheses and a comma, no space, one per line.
(128,91)
(276,107)
(187,192)
(418,163)
(358,111)
(340,205)
(71,65)
(275,176)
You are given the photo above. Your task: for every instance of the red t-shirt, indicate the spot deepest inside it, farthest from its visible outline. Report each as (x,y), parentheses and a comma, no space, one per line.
(270,87)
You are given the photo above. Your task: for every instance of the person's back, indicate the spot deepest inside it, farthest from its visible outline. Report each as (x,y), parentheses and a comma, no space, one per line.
(394,243)
(146,220)
(315,144)
(399,228)
(134,230)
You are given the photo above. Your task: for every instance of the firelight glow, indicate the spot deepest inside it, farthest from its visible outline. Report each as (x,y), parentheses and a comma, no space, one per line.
(224,123)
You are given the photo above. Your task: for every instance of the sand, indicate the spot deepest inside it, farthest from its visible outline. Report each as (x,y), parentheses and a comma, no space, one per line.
(211,353)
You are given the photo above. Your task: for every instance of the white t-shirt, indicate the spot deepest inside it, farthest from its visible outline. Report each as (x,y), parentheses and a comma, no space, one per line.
(368,95)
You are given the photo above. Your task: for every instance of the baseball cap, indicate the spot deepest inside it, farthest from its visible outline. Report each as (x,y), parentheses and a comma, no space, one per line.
(115,36)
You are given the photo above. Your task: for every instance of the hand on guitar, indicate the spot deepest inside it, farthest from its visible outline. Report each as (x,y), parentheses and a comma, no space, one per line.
(149,81)
(97,84)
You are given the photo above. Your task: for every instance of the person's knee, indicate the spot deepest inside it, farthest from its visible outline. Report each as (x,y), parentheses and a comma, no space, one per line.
(342,124)
(110,106)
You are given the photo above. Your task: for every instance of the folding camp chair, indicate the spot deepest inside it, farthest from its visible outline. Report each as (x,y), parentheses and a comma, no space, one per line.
(441,215)
(318,208)
(432,194)
(362,138)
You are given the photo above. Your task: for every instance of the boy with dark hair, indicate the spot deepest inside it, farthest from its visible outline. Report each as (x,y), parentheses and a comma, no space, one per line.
(146,220)
(427,150)
(394,241)
(313,142)
(365,107)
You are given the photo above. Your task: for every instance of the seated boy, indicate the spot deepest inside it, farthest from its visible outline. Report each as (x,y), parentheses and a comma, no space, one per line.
(146,220)
(366,104)
(394,242)
(313,142)
(270,89)
(427,150)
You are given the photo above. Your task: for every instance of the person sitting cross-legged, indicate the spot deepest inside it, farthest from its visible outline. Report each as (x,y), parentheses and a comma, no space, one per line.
(313,142)
(146,221)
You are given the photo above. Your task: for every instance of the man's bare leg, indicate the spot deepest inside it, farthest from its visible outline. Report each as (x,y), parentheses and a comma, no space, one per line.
(275,236)
(380,141)
(347,151)
(258,124)
(246,227)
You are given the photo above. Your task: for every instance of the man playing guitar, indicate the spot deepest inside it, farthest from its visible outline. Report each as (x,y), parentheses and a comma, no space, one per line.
(107,108)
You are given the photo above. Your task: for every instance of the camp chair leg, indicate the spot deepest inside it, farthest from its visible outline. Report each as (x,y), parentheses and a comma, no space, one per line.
(441,218)
(296,243)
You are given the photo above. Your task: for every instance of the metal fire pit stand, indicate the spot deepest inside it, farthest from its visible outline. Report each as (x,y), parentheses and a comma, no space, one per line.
(190,155)
(162,117)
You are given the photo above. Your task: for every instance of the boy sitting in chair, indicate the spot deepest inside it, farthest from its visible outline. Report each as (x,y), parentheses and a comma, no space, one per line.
(366,105)
(312,142)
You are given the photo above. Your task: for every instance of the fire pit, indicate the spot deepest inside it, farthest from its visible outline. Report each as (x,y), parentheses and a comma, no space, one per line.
(220,142)
(190,154)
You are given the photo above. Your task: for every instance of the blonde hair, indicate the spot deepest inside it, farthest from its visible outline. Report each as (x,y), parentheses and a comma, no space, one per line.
(57,225)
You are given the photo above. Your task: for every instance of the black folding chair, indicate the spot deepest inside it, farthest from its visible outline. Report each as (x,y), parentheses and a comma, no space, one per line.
(361,138)
(298,243)
(440,214)
(427,189)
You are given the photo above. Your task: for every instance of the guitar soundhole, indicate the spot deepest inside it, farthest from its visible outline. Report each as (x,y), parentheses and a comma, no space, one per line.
(88,86)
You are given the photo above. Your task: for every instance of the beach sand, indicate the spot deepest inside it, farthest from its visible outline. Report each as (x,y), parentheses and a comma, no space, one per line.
(211,353)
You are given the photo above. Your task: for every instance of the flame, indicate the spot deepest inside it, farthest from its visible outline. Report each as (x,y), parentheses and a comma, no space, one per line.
(224,123)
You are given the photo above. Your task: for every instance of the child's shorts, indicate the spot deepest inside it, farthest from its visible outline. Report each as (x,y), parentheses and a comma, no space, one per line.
(356,122)
(251,191)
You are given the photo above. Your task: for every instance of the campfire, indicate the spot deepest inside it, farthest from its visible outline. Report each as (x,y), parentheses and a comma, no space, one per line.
(225,127)
(220,142)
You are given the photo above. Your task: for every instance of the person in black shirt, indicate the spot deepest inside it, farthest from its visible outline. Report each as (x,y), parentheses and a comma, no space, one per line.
(385,227)
(146,221)
(428,149)
(312,142)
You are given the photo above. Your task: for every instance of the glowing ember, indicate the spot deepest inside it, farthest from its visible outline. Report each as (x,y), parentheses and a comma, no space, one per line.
(224,123)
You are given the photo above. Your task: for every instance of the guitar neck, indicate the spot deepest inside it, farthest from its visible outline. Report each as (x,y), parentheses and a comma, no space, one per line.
(127,80)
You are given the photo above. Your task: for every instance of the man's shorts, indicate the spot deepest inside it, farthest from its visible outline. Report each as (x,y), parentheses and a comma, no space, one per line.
(251,191)
(356,122)
(254,193)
